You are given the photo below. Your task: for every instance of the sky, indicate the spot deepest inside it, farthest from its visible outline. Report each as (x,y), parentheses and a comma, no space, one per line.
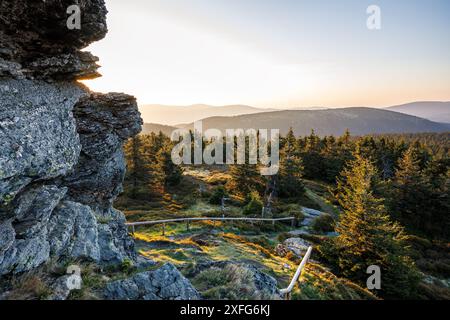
(276,53)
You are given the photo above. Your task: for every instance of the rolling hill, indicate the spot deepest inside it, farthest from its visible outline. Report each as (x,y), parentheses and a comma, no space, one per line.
(431,110)
(360,121)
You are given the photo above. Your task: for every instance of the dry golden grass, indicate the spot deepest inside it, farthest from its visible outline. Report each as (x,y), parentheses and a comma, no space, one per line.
(29,287)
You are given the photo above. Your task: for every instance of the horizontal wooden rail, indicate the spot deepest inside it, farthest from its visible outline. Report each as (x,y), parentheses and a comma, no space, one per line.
(143,223)
(297,274)
(189,220)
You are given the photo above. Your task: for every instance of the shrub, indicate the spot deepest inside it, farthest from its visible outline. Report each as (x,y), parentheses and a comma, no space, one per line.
(217,195)
(254,205)
(323,223)
(29,287)
(283,236)
(127,266)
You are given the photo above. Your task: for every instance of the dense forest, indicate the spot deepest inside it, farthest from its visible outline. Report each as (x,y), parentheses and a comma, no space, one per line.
(391,194)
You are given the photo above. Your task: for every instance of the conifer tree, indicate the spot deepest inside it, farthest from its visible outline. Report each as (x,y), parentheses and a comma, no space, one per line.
(137,174)
(419,201)
(170,173)
(254,204)
(368,237)
(408,188)
(314,161)
(246,177)
(291,169)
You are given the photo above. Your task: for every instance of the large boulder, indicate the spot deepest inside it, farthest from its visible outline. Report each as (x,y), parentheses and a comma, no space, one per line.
(310,215)
(297,246)
(236,280)
(164,283)
(25,244)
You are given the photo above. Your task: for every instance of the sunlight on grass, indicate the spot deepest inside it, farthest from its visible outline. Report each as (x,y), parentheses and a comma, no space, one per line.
(238,242)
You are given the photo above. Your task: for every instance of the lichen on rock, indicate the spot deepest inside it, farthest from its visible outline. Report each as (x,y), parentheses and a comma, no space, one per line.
(164,283)
(61,160)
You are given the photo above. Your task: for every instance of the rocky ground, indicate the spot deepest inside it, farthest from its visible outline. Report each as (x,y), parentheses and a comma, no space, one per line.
(239,260)
(234,262)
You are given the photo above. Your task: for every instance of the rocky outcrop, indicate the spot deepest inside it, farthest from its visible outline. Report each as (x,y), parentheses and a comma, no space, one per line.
(38,133)
(310,215)
(297,246)
(243,280)
(61,161)
(165,283)
(36,42)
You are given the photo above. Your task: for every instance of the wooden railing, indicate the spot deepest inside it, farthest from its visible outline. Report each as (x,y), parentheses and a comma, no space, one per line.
(298,273)
(286,292)
(188,220)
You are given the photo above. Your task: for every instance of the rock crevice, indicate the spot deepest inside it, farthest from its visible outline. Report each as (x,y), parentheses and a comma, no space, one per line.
(61,160)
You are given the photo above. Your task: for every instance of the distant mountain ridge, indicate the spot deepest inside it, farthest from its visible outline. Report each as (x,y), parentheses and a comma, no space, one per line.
(180,116)
(432,110)
(359,121)
(408,118)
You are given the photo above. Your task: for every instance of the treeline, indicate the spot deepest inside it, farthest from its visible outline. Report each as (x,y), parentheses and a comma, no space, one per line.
(412,172)
(149,167)
(387,186)
(324,158)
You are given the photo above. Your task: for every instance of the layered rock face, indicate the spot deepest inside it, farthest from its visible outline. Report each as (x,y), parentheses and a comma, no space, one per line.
(61,159)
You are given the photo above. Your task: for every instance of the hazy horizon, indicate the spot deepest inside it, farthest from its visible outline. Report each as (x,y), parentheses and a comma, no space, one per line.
(275,54)
(287,108)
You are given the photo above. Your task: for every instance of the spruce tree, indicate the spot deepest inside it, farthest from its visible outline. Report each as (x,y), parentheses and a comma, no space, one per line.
(246,177)
(313,161)
(368,237)
(254,204)
(419,199)
(136,177)
(291,169)
(170,173)
(409,192)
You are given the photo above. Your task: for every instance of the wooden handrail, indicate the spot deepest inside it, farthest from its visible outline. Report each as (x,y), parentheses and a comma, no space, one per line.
(298,273)
(142,223)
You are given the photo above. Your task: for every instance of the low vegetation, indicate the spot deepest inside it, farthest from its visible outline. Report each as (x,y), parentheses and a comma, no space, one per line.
(365,188)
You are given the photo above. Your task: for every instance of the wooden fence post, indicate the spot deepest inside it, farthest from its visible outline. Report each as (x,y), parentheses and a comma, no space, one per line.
(164,229)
